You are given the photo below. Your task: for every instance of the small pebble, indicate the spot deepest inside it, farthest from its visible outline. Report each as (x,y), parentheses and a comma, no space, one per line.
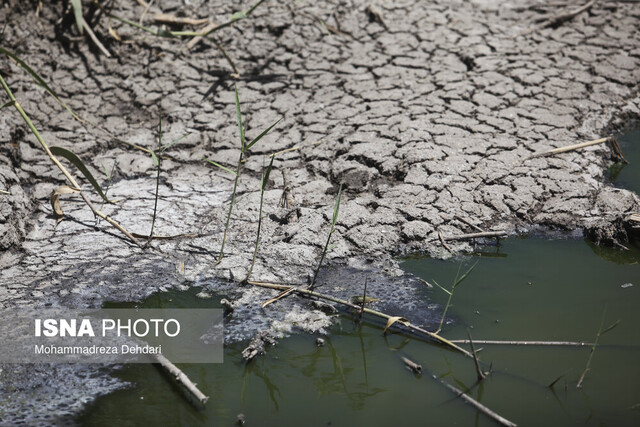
(319,342)
(627,285)
(203,295)
(240,419)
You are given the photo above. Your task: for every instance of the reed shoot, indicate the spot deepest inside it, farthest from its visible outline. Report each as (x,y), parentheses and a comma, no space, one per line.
(263,185)
(244,148)
(334,220)
(458,280)
(600,333)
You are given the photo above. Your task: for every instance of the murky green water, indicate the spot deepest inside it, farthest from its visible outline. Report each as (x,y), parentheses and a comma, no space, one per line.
(526,289)
(628,176)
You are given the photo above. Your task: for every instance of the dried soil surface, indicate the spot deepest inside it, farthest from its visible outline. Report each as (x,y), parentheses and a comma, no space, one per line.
(428,111)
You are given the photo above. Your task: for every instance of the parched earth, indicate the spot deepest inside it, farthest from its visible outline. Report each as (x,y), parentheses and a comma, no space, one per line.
(427,111)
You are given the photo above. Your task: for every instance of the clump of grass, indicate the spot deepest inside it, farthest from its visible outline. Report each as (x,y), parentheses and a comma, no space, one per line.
(334,220)
(601,331)
(244,148)
(263,185)
(457,281)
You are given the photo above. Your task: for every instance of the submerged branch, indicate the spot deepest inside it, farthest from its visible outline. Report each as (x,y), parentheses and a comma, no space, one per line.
(358,308)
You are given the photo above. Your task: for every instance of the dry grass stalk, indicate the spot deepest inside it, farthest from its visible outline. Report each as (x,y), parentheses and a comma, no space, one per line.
(165,18)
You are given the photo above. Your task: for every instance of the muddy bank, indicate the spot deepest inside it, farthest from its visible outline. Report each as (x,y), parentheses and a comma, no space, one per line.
(428,115)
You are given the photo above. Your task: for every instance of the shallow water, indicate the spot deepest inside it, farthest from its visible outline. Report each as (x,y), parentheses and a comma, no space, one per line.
(525,289)
(628,175)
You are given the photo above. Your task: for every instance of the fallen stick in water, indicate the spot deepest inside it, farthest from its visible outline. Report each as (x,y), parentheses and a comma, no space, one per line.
(550,343)
(417,369)
(479,406)
(181,378)
(390,319)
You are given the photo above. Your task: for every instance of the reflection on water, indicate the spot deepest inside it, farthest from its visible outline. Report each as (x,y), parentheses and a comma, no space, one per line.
(528,289)
(628,175)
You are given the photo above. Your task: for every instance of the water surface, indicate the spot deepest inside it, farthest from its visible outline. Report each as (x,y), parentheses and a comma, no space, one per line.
(524,289)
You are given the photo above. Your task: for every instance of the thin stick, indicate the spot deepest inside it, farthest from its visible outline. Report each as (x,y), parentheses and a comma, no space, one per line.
(559,18)
(547,343)
(443,242)
(236,73)
(479,406)
(182,378)
(144,13)
(410,326)
(469,223)
(5,192)
(95,40)
(364,296)
(477,235)
(197,39)
(481,375)
(570,148)
(412,366)
(287,199)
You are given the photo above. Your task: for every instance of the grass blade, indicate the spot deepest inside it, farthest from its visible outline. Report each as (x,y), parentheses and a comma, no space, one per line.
(394,319)
(8,104)
(39,80)
(220,166)
(264,132)
(75,160)
(239,117)
(77,13)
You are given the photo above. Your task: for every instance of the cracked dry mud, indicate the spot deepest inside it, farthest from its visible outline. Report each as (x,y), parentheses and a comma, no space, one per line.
(428,120)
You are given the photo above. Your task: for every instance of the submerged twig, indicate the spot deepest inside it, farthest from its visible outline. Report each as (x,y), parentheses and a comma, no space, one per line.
(507,342)
(479,406)
(412,366)
(182,378)
(479,372)
(601,332)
